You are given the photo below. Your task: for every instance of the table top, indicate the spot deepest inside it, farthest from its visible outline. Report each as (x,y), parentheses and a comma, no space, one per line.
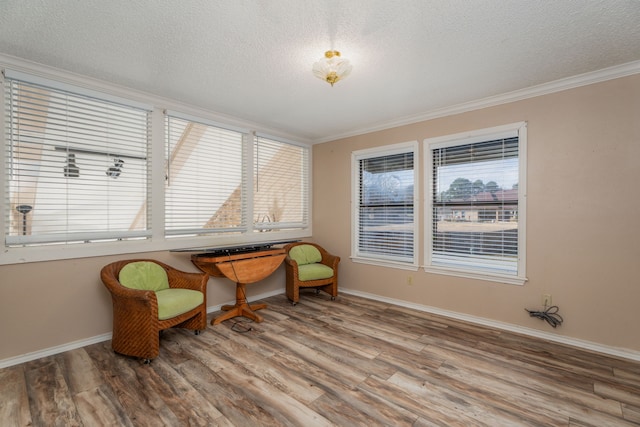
(248,267)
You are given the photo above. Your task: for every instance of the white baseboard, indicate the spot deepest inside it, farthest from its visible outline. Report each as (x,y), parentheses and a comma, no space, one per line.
(4,363)
(574,342)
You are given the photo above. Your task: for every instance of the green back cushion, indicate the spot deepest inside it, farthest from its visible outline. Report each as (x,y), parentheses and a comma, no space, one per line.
(144,275)
(314,272)
(305,254)
(174,302)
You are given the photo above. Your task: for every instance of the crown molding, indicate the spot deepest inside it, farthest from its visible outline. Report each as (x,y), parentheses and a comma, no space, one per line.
(610,73)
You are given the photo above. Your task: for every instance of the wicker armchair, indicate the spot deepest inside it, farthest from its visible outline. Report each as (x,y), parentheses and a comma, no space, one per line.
(136,322)
(308,265)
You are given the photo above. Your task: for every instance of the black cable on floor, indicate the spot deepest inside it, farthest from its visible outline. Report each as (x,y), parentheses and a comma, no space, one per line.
(550,315)
(241,327)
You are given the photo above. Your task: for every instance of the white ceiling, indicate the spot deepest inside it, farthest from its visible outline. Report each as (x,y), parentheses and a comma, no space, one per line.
(251,59)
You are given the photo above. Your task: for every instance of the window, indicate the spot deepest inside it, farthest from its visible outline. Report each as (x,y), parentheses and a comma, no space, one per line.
(280,185)
(476,205)
(75,164)
(205,185)
(384,226)
(94,173)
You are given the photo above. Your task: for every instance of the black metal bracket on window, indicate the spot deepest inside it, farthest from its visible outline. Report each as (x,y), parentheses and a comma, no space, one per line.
(102,153)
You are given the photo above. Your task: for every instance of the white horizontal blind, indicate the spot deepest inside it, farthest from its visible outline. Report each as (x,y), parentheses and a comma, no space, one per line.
(475,206)
(76,166)
(205,186)
(281,185)
(386,207)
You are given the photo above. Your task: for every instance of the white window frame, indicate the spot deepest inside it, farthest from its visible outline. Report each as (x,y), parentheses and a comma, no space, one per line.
(158,241)
(107,136)
(305,188)
(488,134)
(242,148)
(356,254)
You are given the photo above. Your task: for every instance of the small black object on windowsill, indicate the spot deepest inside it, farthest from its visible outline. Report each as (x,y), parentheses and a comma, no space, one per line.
(550,315)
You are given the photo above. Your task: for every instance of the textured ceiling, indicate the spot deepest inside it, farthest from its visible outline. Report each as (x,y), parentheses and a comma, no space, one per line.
(252,59)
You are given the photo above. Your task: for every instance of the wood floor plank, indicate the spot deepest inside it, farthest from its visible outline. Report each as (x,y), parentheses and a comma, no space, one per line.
(429,413)
(14,409)
(333,336)
(342,355)
(282,407)
(452,399)
(50,400)
(369,328)
(79,370)
(100,407)
(185,398)
(300,321)
(238,408)
(631,413)
(318,359)
(620,392)
(351,408)
(632,377)
(514,383)
(129,377)
(341,399)
(281,377)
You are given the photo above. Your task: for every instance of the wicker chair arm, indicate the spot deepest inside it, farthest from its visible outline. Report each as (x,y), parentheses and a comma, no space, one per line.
(137,301)
(290,261)
(291,267)
(127,300)
(330,260)
(186,280)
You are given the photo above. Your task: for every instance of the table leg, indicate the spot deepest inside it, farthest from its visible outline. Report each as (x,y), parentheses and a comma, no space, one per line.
(240,308)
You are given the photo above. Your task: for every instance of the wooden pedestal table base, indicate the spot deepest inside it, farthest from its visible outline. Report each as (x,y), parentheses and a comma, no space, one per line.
(242,269)
(240,308)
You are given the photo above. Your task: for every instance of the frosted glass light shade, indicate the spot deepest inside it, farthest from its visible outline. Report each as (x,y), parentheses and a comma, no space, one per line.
(332,68)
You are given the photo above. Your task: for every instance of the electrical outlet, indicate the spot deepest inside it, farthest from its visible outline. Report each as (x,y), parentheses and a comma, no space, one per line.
(546,300)
(410,280)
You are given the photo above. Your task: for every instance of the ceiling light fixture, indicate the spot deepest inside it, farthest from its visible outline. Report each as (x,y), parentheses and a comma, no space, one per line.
(332,68)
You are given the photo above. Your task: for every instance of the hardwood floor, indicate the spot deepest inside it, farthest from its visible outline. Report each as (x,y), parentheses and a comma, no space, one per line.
(349,362)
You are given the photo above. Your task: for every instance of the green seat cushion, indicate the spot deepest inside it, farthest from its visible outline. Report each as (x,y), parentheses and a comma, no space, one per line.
(314,271)
(144,275)
(174,302)
(305,254)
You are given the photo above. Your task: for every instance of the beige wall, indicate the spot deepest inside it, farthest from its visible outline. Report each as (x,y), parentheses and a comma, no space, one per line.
(583,215)
(583,233)
(49,304)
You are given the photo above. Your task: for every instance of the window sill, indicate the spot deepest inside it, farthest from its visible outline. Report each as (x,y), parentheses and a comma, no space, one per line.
(499,278)
(385,263)
(21,255)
